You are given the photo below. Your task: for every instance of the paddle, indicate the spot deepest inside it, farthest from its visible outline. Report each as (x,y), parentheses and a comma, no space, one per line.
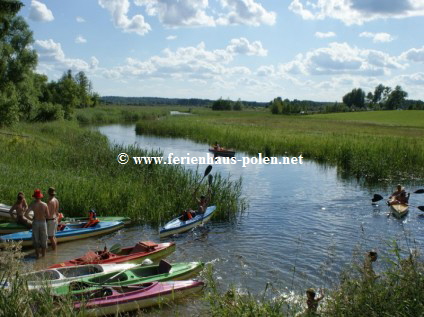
(378,197)
(210,180)
(419,191)
(207,171)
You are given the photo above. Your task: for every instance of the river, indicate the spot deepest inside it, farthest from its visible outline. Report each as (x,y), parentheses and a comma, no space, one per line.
(304,223)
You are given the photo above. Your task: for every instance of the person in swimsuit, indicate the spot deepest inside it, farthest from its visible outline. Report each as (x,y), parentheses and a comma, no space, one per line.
(312,302)
(39,226)
(52,220)
(21,209)
(92,219)
(399,196)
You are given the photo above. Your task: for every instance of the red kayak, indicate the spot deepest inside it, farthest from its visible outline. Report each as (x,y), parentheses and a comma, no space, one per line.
(113,300)
(136,254)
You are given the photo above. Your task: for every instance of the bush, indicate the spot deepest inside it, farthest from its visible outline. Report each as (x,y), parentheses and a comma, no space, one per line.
(49,112)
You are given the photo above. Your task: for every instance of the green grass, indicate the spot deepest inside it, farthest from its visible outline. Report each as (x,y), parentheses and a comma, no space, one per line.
(83,168)
(358,144)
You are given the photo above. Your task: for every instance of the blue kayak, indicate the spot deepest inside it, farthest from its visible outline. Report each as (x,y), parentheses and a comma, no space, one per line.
(70,232)
(178,226)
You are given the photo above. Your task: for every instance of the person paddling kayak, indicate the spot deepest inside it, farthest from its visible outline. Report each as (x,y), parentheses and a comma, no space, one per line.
(399,196)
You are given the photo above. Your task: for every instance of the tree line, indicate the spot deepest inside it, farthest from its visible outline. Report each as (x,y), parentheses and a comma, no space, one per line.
(24,94)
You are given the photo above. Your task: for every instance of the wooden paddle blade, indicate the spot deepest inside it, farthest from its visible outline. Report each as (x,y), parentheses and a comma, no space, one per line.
(208,170)
(210,180)
(419,191)
(376,198)
(421,208)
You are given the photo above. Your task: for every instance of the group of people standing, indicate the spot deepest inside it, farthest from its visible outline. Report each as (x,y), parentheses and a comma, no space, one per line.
(44,221)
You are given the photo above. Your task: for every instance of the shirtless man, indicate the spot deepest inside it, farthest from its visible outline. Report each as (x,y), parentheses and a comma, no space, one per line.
(21,209)
(52,219)
(398,197)
(39,226)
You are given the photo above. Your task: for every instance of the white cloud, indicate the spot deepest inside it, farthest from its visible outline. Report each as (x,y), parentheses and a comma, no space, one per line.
(322,35)
(416,79)
(171,37)
(119,10)
(266,71)
(245,12)
(341,58)
(39,12)
(378,37)
(243,46)
(414,55)
(80,19)
(50,52)
(80,39)
(356,11)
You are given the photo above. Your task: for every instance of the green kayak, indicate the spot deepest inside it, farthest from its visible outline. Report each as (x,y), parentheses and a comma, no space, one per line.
(13,227)
(163,271)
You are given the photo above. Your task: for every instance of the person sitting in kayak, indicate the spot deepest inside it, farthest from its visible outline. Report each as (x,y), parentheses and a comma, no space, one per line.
(217,147)
(92,219)
(21,209)
(60,226)
(202,202)
(399,196)
(187,214)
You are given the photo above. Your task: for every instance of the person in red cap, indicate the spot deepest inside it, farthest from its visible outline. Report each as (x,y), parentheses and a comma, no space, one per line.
(39,225)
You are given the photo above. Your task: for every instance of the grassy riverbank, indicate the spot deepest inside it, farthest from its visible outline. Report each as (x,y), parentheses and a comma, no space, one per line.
(370,145)
(83,168)
(394,292)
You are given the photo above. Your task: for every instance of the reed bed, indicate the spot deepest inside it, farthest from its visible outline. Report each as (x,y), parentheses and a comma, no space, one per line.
(83,168)
(363,149)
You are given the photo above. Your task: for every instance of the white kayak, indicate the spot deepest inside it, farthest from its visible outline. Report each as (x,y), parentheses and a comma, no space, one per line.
(5,215)
(60,276)
(178,225)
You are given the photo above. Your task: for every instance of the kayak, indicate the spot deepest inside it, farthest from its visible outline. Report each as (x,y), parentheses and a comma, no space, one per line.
(4,212)
(117,300)
(399,210)
(125,220)
(222,152)
(136,275)
(136,254)
(70,232)
(62,276)
(12,227)
(178,225)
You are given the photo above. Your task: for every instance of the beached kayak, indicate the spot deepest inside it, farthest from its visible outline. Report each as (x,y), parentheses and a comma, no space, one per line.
(115,300)
(222,152)
(70,232)
(135,254)
(12,227)
(139,274)
(62,276)
(178,225)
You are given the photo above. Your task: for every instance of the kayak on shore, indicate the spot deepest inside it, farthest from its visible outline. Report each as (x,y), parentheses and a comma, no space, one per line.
(70,232)
(136,254)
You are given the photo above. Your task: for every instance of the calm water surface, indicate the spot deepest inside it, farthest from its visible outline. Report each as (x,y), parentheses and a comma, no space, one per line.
(301,228)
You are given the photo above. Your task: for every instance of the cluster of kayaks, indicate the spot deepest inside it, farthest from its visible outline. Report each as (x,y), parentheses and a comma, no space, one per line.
(106,281)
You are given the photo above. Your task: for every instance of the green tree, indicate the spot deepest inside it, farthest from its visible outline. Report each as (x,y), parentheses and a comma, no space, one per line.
(396,99)
(276,105)
(355,98)
(238,105)
(221,104)
(84,90)
(68,96)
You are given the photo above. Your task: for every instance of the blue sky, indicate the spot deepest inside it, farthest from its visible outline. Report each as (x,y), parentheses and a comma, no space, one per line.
(248,49)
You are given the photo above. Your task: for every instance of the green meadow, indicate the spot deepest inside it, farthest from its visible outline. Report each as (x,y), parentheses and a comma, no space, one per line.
(82,166)
(374,146)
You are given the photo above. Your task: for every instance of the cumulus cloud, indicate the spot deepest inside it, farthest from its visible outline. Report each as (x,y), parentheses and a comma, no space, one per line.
(341,58)
(413,79)
(119,11)
(324,35)
(80,39)
(378,37)
(357,11)
(80,19)
(171,37)
(194,62)
(39,12)
(413,55)
(246,12)
(50,52)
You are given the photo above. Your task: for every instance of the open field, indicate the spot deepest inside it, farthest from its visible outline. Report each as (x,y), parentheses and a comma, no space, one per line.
(83,168)
(371,145)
